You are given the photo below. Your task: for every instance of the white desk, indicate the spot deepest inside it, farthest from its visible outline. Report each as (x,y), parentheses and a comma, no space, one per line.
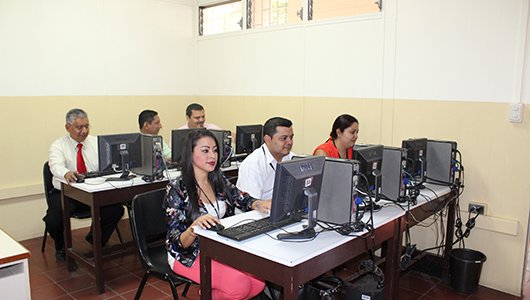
(14,272)
(290,264)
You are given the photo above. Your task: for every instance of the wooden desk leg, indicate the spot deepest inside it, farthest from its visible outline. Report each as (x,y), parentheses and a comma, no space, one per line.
(449,233)
(290,291)
(67,231)
(392,271)
(96,246)
(206,272)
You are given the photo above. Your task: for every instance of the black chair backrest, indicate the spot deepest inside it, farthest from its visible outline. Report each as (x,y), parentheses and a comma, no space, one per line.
(47,177)
(148,219)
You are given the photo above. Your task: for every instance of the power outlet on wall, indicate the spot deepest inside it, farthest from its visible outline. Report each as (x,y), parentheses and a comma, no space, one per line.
(480,208)
(516,113)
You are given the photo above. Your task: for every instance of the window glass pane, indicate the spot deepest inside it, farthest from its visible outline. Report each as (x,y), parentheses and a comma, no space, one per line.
(324,9)
(264,13)
(220,18)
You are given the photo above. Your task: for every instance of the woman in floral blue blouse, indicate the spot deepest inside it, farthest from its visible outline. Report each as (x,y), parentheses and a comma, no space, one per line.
(200,197)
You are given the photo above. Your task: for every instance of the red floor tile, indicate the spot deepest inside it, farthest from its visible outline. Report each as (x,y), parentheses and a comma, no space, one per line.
(49,279)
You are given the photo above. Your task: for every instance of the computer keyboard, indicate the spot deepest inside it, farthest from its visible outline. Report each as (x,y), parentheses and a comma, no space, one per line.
(251,229)
(94,174)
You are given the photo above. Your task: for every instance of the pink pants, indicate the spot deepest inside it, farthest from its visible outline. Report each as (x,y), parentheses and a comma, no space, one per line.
(227,282)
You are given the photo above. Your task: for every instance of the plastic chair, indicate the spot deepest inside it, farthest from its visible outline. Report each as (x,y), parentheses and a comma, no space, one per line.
(48,191)
(149,227)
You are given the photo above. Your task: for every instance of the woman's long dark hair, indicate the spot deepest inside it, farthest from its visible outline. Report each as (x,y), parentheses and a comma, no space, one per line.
(342,122)
(188,175)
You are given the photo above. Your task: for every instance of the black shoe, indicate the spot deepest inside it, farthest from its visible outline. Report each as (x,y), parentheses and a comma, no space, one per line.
(90,240)
(60,255)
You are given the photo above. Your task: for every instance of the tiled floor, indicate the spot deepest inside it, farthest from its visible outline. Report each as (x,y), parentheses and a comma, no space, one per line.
(50,279)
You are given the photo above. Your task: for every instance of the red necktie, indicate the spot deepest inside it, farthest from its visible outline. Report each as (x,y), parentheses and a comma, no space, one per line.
(81,167)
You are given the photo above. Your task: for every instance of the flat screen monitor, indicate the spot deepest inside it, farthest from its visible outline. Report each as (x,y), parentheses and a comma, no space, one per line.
(248,138)
(416,167)
(297,185)
(370,160)
(119,152)
(178,136)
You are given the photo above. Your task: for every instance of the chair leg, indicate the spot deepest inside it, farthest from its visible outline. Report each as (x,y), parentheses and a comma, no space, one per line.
(44,239)
(141,287)
(186,288)
(173,289)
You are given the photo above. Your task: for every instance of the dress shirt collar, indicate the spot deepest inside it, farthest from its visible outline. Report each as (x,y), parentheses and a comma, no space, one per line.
(269,159)
(74,142)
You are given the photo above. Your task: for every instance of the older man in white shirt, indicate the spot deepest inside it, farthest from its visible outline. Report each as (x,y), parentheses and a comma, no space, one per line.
(71,156)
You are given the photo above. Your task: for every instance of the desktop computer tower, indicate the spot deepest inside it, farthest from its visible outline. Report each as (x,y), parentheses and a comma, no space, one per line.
(441,157)
(152,164)
(392,171)
(225,144)
(336,202)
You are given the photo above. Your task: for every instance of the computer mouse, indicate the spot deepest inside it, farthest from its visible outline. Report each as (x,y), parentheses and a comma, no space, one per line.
(79,178)
(216,227)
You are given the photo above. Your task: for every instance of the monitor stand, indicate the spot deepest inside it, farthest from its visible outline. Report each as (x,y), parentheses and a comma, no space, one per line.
(125,176)
(309,231)
(125,166)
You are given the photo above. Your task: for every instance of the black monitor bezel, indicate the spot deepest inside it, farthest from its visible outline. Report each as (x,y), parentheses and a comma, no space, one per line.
(242,132)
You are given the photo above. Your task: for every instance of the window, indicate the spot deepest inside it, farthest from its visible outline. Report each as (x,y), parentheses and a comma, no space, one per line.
(219,18)
(263,13)
(228,15)
(324,9)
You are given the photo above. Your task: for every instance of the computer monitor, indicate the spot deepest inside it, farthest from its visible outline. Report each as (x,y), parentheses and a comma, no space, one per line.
(416,167)
(152,157)
(120,153)
(178,136)
(248,138)
(297,185)
(370,160)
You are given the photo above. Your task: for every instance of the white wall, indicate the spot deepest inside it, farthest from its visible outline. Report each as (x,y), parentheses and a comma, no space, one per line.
(97,47)
(461,50)
(417,49)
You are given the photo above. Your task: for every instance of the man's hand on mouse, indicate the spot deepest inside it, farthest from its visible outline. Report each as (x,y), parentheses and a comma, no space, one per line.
(71,176)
